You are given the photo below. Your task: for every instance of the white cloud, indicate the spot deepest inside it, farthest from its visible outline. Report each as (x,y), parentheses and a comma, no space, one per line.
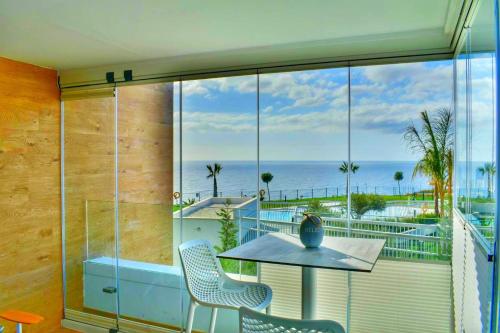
(203,122)
(308,123)
(412,81)
(303,89)
(268,109)
(389,74)
(194,88)
(384,98)
(208,87)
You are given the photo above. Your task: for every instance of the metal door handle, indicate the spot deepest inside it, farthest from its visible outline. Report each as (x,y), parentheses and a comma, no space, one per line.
(109,290)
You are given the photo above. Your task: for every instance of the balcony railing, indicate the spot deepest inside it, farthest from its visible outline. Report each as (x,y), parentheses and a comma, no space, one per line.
(414,192)
(429,242)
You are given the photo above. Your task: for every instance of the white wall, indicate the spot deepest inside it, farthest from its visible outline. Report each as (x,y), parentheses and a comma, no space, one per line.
(194,228)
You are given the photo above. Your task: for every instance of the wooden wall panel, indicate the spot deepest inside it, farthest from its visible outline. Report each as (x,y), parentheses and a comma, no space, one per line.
(145,119)
(89,174)
(30,218)
(145,170)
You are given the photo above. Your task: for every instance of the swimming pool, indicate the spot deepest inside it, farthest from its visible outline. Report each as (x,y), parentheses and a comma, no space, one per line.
(393,211)
(277,215)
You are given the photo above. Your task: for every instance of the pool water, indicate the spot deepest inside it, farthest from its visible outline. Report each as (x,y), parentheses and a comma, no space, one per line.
(390,211)
(277,215)
(393,211)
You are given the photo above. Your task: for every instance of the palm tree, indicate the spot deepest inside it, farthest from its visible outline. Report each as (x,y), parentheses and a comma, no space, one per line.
(435,142)
(344,168)
(489,170)
(189,202)
(398,176)
(266,178)
(213,172)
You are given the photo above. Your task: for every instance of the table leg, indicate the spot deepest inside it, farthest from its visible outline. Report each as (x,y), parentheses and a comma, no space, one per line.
(308,293)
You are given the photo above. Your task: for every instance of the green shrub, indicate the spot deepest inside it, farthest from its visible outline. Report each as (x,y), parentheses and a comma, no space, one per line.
(427,218)
(228,229)
(362,203)
(316,207)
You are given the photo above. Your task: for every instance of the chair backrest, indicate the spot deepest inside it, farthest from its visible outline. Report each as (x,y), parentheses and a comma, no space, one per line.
(201,267)
(256,322)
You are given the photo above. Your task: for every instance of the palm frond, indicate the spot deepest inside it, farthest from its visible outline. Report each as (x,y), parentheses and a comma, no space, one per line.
(210,171)
(414,141)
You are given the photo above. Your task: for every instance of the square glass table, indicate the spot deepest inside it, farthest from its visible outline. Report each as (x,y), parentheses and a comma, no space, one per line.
(342,253)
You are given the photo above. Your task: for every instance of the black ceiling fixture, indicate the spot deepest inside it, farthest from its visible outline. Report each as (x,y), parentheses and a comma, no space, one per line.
(110,77)
(127,75)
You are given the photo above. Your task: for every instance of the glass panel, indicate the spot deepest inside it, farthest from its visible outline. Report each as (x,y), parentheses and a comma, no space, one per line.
(395,179)
(219,173)
(461,115)
(482,122)
(481,172)
(400,193)
(149,285)
(89,192)
(303,145)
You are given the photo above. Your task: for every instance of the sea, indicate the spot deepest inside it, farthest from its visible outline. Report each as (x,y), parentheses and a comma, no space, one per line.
(297,179)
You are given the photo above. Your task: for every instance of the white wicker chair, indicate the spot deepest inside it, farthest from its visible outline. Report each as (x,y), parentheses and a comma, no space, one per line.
(256,322)
(209,286)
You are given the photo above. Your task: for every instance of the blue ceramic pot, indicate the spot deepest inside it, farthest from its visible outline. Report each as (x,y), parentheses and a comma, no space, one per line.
(311,231)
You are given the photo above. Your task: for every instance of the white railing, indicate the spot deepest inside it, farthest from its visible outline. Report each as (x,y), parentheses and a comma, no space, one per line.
(429,242)
(334,191)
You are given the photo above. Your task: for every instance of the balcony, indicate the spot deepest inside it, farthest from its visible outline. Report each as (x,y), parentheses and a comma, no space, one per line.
(162,123)
(416,262)
(127,211)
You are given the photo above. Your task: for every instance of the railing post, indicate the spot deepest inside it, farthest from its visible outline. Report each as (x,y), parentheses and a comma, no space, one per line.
(280,195)
(297,194)
(337,191)
(326,192)
(312,193)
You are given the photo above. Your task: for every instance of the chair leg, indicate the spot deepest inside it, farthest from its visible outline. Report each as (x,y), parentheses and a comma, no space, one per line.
(212,320)
(192,308)
(19,328)
(268,310)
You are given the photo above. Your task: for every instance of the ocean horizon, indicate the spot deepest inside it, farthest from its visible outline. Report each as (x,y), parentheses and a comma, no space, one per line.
(297,178)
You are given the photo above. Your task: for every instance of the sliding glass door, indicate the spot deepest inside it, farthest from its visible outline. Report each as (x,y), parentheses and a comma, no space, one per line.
(303,145)
(89,203)
(119,184)
(149,285)
(475,186)
(395,195)
(219,195)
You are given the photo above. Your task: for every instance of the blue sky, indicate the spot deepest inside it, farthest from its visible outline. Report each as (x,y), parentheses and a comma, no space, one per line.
(303,115)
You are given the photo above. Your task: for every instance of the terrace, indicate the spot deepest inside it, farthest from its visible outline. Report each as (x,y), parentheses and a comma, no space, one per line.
(153,124)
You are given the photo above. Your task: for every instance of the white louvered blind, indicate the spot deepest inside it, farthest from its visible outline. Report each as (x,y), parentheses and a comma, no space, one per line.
(286,284)
(458,272)
(332,295)
(472,280)
(396,297)
(400,296)
(477,291)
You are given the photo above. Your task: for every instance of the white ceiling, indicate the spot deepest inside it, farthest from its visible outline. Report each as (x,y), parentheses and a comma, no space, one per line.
(72,34)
